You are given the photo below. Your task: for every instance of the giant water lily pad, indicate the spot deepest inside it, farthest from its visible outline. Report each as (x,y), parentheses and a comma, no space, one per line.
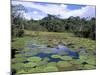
(64,64)
(40,68)
(32,70)
(19,59)
(17,66)
(34,59)
(46,59)
(30,64)
(35,51)
(47,51)
(37,69)
(21,72)
(75,62)
(83,57)
(26,49)
(55,56)
(28,54)
(19,55)
(52,64)
(41,63)
(66,58)
(50,69)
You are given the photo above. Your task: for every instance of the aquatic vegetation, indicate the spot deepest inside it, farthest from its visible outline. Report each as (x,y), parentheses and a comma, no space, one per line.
(64,64)
(75,62)
(62,57)
(28,59)
(17,66)
(40,68)
(18,59)
(28,54)
(35,70)
(46,59)
(19,43)
(34,59)
(88,67)
(21,72)
(50,69)
(62,52)
(30,64)
(47,51)
(55,56)
(41,63)
(66,58)
(91,61)
(34,51)
(19,55)
(52,64)
(26,49)
(82,58)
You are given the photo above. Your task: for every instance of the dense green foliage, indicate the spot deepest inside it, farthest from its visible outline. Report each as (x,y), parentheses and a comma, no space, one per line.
(17,20)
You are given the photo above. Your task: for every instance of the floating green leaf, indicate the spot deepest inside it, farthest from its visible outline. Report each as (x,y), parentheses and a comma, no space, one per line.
(19,59)
(64,64)
(34,59)
(19,55)
(17,66)
(55,56)
(21,72)
(26,49)
(52,64)
(66,58)
(30,64)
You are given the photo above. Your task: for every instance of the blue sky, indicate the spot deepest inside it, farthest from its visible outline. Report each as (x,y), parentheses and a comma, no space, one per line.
(75,7)
(37,10)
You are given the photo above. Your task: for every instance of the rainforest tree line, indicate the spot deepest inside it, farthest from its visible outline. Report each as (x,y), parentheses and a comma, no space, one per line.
(81,27)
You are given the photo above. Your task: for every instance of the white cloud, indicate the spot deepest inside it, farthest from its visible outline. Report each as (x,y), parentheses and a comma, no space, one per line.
(32,15)
(56,9)
(88,11)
